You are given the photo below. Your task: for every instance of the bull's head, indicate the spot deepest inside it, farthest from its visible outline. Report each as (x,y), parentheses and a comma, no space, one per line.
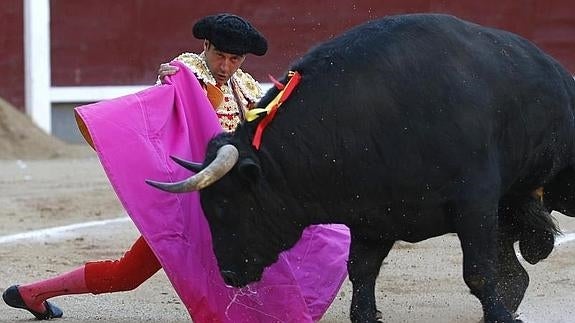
(225,160)
(237,209)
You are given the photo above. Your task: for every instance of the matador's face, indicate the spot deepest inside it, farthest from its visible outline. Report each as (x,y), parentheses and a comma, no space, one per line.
(222,65)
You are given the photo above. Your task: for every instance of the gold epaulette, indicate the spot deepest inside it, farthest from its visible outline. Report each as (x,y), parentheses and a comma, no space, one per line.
(249,87)
(197,65)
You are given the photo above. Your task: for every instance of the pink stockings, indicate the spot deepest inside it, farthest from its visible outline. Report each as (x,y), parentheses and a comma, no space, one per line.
(108,276)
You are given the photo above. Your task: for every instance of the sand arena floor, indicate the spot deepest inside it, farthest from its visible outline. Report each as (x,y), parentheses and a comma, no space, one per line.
(58,211)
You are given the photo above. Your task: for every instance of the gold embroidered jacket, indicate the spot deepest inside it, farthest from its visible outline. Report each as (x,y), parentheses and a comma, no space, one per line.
(230,101)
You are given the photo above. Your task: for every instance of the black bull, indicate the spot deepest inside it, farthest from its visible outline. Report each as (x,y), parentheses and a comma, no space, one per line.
(403,128)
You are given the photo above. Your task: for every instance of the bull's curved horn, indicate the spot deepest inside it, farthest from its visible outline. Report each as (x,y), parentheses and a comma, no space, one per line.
(225,160)
(194,167)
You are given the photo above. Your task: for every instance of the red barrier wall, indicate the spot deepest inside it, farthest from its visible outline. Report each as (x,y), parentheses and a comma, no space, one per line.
(110,42)
(12,52)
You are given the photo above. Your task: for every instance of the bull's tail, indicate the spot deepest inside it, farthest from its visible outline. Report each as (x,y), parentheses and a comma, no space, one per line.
(528,220)
(538,230)
(535,215)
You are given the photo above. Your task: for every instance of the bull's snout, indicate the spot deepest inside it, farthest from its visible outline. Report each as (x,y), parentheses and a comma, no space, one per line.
(231,278)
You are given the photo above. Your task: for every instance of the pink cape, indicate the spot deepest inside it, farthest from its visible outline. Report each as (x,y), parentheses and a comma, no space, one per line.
(134,137)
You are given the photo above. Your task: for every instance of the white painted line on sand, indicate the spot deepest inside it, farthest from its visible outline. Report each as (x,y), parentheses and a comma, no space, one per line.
(58,231)
(55,232)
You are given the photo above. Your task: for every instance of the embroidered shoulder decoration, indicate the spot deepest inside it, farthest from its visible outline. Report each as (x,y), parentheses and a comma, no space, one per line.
(249,87)
(197,64)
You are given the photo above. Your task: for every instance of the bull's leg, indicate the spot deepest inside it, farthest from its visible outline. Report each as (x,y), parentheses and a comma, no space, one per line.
(477,227)
(365,258)
(512,279)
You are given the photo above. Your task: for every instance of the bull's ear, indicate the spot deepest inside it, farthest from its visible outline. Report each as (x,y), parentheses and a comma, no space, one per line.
(249,170)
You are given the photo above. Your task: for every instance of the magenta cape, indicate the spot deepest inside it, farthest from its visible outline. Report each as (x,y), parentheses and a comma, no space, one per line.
(134,137)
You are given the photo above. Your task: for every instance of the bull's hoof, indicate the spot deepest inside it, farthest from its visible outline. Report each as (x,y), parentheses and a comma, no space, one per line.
(514,319)
(376,319)
(497,321)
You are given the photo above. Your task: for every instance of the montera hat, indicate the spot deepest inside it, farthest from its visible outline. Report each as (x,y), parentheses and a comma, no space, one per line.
(231,34)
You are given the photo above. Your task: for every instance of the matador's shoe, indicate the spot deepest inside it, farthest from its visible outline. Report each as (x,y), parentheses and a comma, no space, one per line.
(13,298)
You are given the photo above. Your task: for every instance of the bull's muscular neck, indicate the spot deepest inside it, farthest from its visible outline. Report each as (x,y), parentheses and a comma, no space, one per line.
(297,207)
(303,194)
(281,223)
(285,212)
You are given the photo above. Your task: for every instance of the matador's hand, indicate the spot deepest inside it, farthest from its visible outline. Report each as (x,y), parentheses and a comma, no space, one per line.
(166,69)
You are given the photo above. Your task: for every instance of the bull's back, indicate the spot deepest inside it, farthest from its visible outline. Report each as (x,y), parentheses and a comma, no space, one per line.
(422,100)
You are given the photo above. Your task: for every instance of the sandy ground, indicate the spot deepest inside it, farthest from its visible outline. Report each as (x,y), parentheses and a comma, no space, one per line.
(418,282)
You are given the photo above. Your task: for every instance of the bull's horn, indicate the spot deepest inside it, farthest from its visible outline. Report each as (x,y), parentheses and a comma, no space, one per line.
(194,167)
(225,160)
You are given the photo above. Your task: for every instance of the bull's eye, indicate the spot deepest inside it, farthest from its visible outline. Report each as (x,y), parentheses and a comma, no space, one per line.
(218,212)
(224,203)
(221,208)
